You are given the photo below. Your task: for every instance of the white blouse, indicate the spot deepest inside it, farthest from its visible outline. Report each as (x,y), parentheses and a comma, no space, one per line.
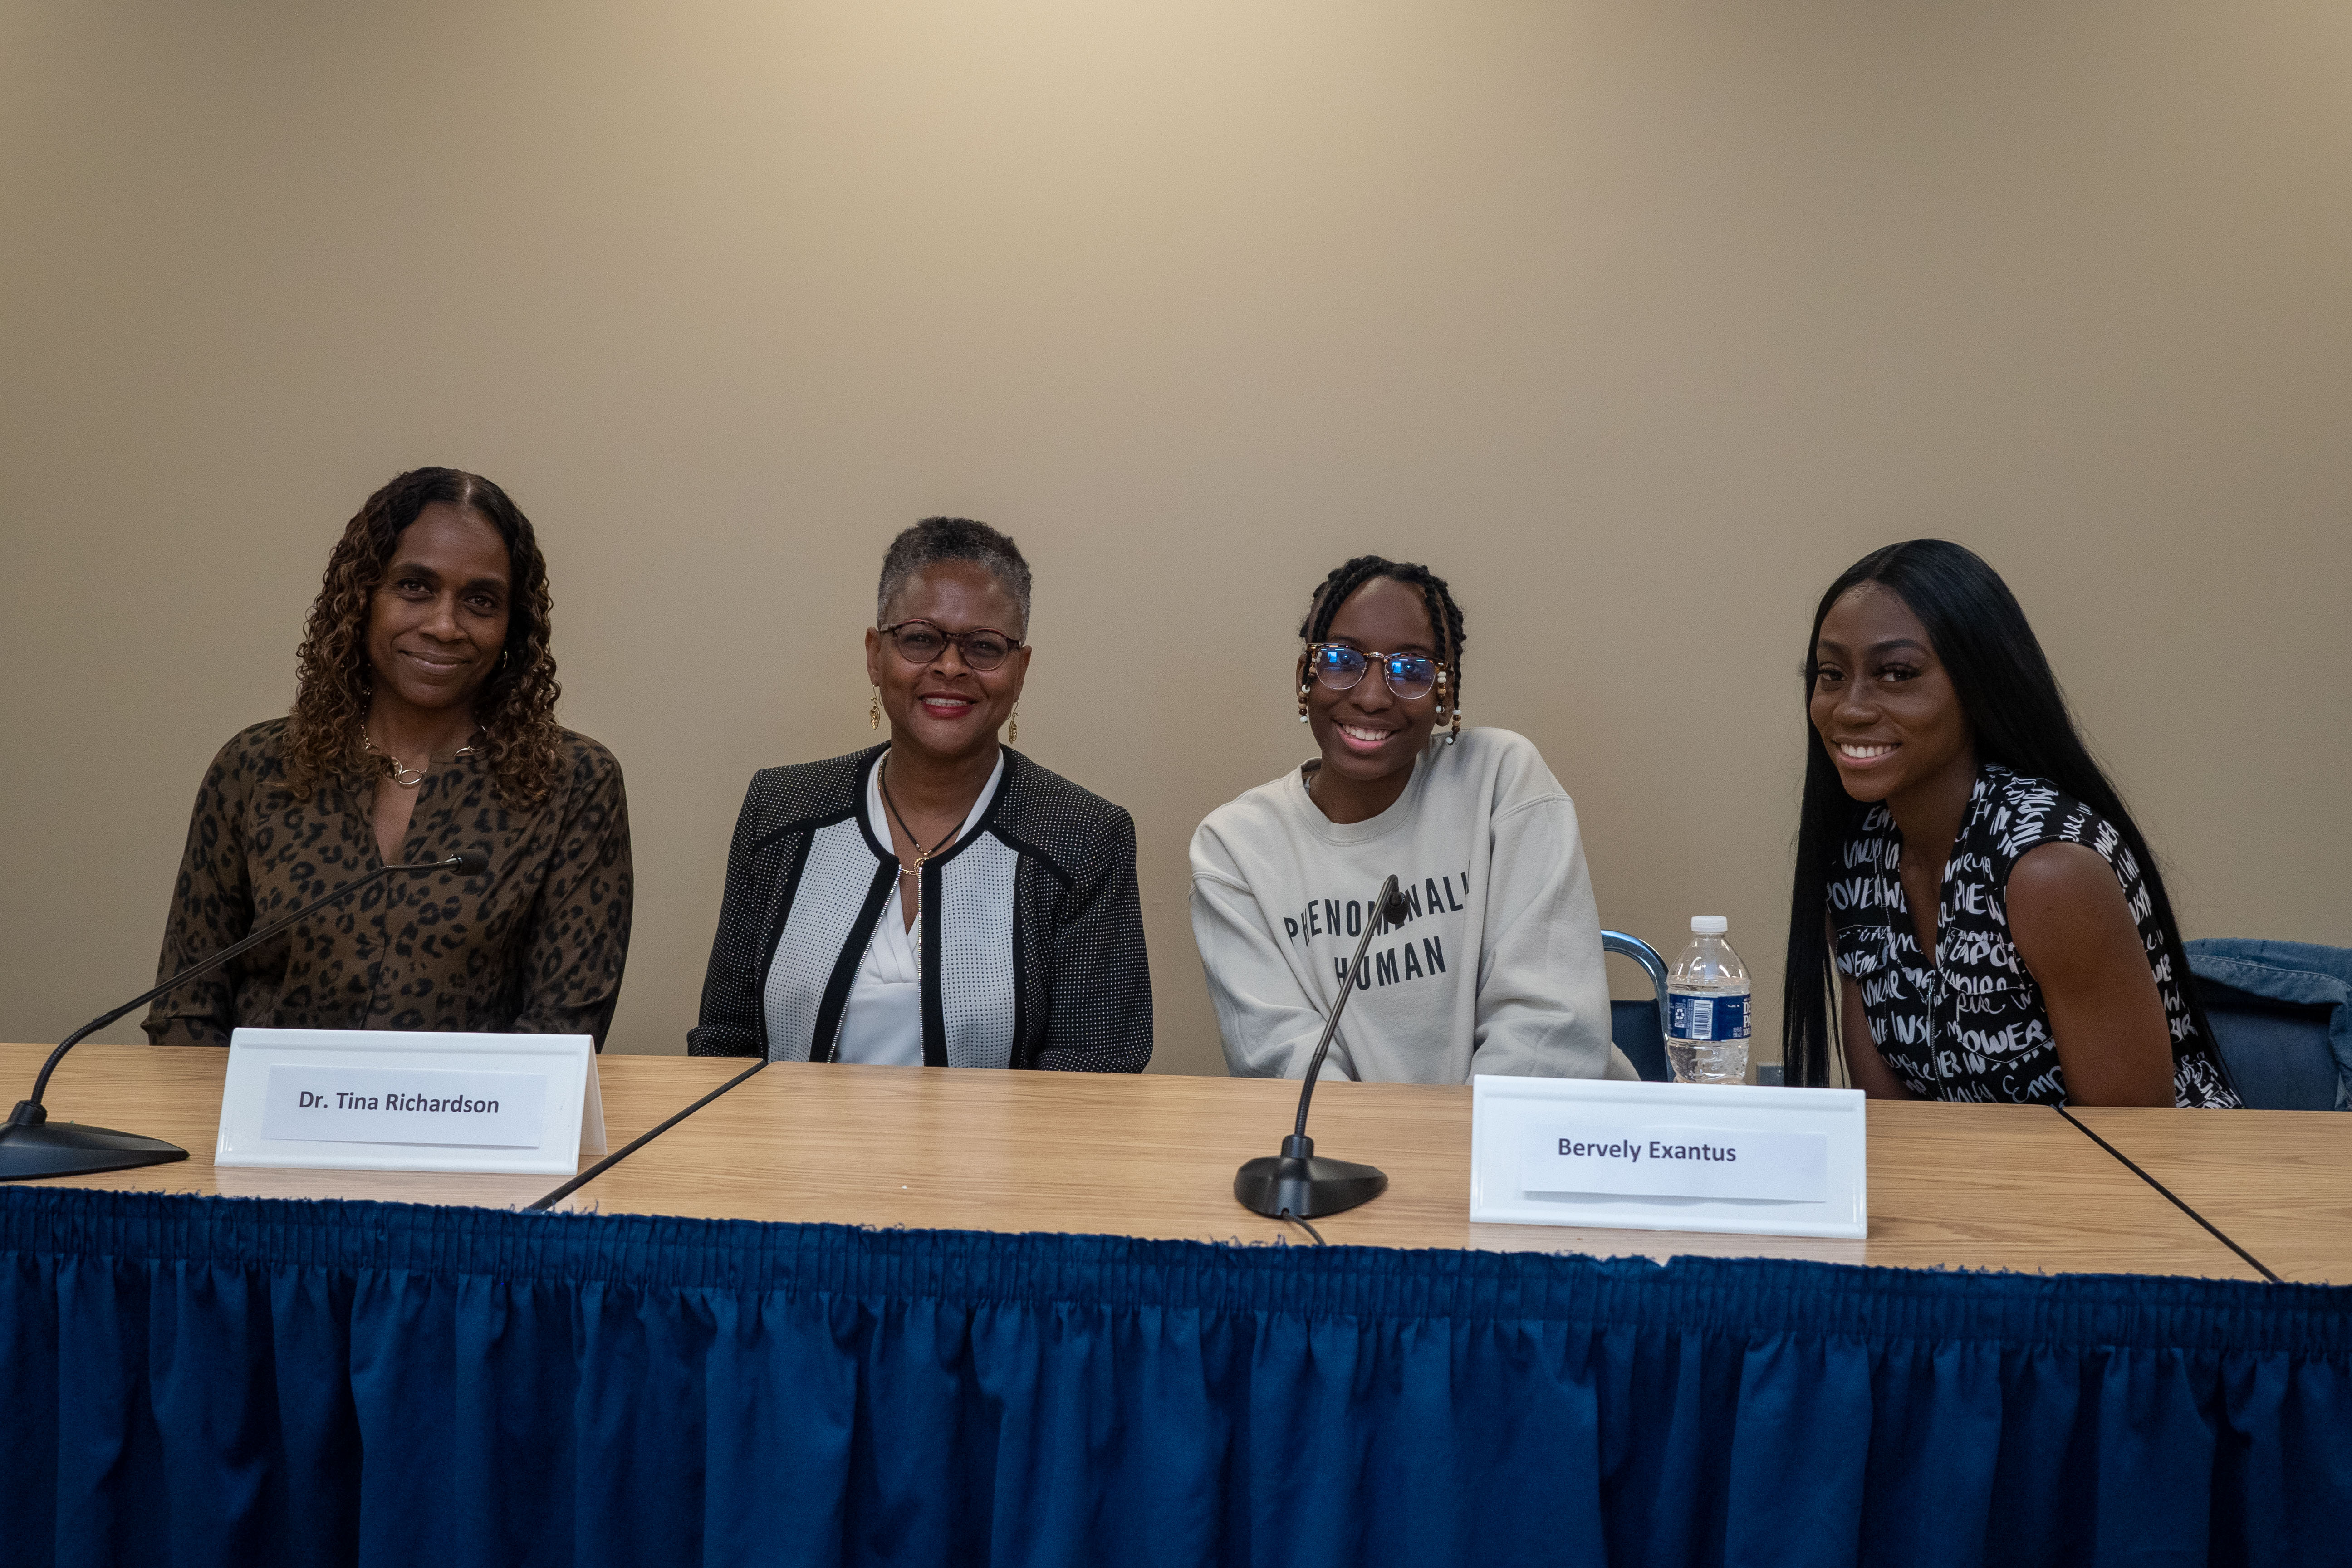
(882,1022)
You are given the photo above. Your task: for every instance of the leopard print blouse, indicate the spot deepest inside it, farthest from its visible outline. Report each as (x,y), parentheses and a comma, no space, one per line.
(535,946)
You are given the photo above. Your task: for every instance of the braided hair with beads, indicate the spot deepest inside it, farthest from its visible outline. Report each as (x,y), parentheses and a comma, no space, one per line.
(1444,619)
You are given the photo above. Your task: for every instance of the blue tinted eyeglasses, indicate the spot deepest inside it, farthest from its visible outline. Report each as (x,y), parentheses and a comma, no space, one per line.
(1340,667)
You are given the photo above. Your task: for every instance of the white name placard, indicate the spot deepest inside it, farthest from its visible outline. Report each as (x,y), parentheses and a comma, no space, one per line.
(1668,1156)
(366,1099)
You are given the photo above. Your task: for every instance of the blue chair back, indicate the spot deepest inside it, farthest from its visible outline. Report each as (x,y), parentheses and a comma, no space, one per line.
(1640,1027)
(2281,1017)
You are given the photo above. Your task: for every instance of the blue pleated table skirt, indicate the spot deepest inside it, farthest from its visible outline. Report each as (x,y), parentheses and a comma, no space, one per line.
(196,1380)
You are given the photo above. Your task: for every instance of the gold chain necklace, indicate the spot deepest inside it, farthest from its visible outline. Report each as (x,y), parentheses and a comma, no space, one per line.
(407,777)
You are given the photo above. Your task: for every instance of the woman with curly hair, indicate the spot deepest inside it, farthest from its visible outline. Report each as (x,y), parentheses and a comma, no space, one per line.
(423,727)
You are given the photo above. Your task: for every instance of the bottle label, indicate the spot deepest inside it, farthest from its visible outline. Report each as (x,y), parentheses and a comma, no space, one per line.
(1707,1018)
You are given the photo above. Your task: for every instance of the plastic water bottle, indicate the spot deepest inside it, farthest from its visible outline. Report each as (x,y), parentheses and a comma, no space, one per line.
(1707,1005)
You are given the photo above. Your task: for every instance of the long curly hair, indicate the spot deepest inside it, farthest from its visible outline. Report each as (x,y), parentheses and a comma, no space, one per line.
(516,707)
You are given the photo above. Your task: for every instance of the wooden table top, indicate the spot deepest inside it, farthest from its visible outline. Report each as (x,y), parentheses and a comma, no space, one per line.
(174,1093)
(2279,1182)
(1950,1185)
(1970,1186)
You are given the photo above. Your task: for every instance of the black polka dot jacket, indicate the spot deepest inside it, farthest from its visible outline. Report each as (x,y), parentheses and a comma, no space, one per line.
(1032,932)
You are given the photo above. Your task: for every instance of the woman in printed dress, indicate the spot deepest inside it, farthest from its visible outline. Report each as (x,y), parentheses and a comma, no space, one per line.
(1976,916)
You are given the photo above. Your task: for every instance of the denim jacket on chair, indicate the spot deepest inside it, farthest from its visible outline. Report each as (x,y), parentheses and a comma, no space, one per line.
(2301,973)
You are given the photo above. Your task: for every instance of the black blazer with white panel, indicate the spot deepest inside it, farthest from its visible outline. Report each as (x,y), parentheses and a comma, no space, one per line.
(1032,930)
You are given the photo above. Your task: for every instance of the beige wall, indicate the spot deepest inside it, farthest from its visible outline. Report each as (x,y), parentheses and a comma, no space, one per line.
(1638,320)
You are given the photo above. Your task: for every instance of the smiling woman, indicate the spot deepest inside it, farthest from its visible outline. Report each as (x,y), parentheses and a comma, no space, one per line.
(423,727)
(1976,916)
(1497,967)
(939,901)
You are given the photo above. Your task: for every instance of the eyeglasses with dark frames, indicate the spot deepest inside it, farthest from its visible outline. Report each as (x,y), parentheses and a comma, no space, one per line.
(1341,668)
(922,642)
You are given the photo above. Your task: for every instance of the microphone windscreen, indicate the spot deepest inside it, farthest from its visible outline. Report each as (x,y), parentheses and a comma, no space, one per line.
(472,863)
(1393,906)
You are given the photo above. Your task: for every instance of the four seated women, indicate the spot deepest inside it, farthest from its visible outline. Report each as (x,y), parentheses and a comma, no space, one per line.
(940,900)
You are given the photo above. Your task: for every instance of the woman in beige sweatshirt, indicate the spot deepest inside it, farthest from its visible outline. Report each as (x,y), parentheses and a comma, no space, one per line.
(1497,966)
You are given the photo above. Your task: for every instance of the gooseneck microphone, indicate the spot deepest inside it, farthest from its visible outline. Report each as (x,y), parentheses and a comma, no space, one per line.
(1297,1184)
(32,1145)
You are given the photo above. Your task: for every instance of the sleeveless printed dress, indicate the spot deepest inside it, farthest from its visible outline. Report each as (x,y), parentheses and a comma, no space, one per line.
(1972,1025)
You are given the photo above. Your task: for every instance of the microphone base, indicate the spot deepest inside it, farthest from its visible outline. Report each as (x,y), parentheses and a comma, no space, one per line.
(1308,1186)
(33,1150)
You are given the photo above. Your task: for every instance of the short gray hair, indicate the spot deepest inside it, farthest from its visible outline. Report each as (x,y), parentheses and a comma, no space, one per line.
(938,539)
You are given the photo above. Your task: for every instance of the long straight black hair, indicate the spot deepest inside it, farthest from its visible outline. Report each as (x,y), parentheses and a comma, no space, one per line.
(2019,718)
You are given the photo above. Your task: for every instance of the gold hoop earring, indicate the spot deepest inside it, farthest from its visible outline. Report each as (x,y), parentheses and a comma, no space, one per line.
(1012,731)
(874,714)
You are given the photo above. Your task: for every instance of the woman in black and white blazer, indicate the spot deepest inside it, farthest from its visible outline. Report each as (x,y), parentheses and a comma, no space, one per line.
(939,901)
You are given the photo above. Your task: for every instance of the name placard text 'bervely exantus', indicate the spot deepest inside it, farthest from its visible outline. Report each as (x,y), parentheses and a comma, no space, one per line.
(1665,1156)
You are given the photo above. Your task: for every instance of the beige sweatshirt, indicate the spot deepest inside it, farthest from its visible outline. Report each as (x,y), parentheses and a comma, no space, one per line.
(1497,969)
